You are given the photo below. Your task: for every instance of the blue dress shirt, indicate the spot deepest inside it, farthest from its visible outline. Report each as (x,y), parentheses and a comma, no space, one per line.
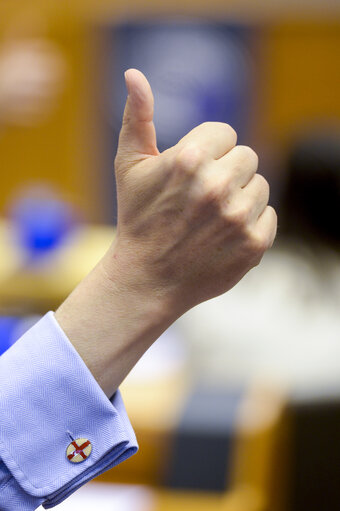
(48,397)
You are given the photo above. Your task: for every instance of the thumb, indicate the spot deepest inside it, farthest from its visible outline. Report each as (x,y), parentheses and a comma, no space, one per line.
(137,138)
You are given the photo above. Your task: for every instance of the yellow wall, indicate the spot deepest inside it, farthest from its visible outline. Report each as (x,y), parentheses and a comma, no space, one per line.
(299,82)
(58,150)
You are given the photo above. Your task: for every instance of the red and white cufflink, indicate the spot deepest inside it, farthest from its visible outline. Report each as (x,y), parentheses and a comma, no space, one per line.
(79,450)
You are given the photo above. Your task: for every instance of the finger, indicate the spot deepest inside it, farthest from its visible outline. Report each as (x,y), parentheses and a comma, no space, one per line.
(242,163)
(266,226)
(137,137)
(214,138)
(257,194)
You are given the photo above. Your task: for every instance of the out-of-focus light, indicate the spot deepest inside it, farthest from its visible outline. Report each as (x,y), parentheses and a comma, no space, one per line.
(32,77)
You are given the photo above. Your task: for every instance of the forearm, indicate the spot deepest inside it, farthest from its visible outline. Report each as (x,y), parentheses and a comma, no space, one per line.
(111,324)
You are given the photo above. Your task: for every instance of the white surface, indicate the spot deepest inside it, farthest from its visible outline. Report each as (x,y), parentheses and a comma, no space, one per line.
(280,323)
(108,497)
(165,358)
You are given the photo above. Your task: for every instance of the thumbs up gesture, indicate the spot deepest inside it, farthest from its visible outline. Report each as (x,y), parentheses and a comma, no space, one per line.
(191,220)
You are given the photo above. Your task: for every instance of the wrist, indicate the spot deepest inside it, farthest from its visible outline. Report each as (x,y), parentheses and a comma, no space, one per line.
(125,275)
(111,322)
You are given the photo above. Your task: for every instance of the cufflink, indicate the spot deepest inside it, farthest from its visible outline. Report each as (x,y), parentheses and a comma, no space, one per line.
(79,450)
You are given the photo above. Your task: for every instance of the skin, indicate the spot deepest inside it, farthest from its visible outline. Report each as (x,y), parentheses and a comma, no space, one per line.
(191,222)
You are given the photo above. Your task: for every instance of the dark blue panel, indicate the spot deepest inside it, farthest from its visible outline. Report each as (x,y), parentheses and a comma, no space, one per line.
(199,71)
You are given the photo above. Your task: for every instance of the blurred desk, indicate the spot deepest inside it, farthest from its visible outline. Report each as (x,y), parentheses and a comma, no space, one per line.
(42,285)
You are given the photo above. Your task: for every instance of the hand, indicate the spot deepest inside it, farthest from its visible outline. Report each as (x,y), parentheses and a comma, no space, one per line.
(192,220)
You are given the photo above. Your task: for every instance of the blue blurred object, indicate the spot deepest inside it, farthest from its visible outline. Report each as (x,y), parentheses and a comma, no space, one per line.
(13,327)
(41,223)
(8,325)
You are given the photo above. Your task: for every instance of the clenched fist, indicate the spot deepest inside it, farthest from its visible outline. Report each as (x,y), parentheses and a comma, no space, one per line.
(193,219)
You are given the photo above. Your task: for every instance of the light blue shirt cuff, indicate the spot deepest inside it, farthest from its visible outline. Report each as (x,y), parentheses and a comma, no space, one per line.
(47,393)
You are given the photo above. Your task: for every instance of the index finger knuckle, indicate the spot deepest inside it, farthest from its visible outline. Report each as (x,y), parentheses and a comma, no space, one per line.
(189,158)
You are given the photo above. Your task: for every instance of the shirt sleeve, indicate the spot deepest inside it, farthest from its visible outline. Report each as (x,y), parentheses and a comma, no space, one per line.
(49,399)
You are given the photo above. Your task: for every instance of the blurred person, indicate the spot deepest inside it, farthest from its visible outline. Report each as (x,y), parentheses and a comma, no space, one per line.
(290,331)
(191,222)
(310,207)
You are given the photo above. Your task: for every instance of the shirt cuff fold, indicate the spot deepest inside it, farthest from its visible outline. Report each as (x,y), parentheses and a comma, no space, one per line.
(48,397)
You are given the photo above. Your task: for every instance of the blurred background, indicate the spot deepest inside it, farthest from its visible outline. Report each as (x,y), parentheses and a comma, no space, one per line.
(237,406)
